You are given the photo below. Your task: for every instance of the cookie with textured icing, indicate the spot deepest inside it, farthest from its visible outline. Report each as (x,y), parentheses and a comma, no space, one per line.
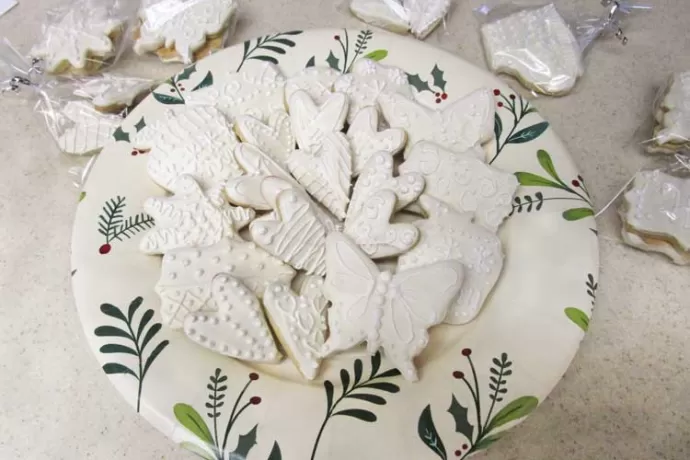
(451,235)
(672,133)
(371,229)
(367,81)
(194,140)
(184,285)
(274,137)
(114,93)
(299,322)
(387,311)
(236,326)
(425,16)
(461,125)
(78,128)
(389,15)
(323,163)
(293,233)
(464,182)
(366,139)
(257,192)
(536,46)
(317,82)
(191,218)
(182,31)
(656,214)
(80,42)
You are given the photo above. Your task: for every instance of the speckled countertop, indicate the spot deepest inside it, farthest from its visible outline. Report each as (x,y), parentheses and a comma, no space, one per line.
(626,395)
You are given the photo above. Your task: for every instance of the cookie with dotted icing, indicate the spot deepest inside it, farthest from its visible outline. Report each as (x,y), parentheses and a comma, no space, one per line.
(257,192)
(323,163)
(293,233)
(451,235)
(656,209)
(273,137)
(317,82)
(366,139)
(184,285)
(464,182)
(191,218)
(367,81)
(236,326)
(114,93)
(461,125)
(80,42)
(79,129)
(177,29)
(425,16)
(194,140)
(672,133)
(299,322)
(387,311)
(386,15)
(378,175)
(536,46)
(371,229)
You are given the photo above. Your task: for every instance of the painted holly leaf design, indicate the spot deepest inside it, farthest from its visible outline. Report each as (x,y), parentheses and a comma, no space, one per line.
(528,134)
(460,416)
(437,75)
(141,124)
(275,453)
(244,445)
(419,84)
(168,100)
(429,435)
(186,73)
(120,135)
(311,62)
(377,55)
(207,81)
(332,61)
(514,410)
(578,317)
(577,214)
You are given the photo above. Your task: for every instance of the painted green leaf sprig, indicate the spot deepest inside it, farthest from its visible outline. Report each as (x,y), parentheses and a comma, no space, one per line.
(578,316)
(345,55)
(177,85)
(266,48)
(113,225)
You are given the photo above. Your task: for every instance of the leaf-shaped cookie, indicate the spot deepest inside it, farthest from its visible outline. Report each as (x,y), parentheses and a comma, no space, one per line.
(273,137)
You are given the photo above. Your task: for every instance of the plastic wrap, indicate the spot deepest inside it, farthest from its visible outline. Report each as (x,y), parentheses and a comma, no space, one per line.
(112,93)
(83,37)
(672,116)
(418,17)
(17,75)
(184,30)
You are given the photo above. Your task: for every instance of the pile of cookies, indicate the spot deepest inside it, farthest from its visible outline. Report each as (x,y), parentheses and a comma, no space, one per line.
(284,193)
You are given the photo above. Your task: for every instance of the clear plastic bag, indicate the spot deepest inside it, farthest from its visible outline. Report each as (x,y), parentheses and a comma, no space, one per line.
(533,42)
(83,37)
(184,30)
(672,116)
(418,17)
(16,72)
(112,93)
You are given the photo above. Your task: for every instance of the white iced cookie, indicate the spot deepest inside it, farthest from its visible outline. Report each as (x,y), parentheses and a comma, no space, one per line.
(317,82)
(387,311)
(254,162)
(458,127)
(80,42)
(299,322)
(273,137)
(426,15)
(537,47)
(181,28)
(451,235)
(184,285)
(79,129)
(389,15)
(237,327)
(673,131)
(323,163)
(191,218)
(257,192)
(651,244)
(114,93)
(366,139)
(367,81)
(372,230)
(656,209)
(293,233)
(193,140)
(258,89)
(464,182)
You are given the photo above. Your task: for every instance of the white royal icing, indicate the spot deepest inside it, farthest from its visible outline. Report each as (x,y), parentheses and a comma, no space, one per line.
(650,244)
(459,126)
(323,163)
(387,14)
(537,46)
(372,230)
(273,137)
(186,25)
(365,138)
(191,218)
(676,118)
(464,182)
(80,36)
(293,233)
(184,285)
(367,81)
(451,235)
(389,311)
(258,192)
(113,90)
(299,321)
(425,15)
(194,140)
(79,129)
(317,82)
(237,328)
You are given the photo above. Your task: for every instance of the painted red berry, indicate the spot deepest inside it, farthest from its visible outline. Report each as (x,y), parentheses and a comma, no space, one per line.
(444,96)
(438,94)
(458,453)
(438,100)
(255,400)
(336,37)
(135,152)
(500,104)
(512,96)
(464,447)
(497,92)
(458,375)
(576,183)
(466,352)
(253,376)
(172,90)
(104,249)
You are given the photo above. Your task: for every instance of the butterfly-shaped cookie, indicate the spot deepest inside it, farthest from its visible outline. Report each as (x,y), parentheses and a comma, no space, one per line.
(387,311)
(366,139)
(273,137)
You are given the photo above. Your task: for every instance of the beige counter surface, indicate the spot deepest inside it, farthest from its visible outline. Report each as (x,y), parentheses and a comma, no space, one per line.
(626,395)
